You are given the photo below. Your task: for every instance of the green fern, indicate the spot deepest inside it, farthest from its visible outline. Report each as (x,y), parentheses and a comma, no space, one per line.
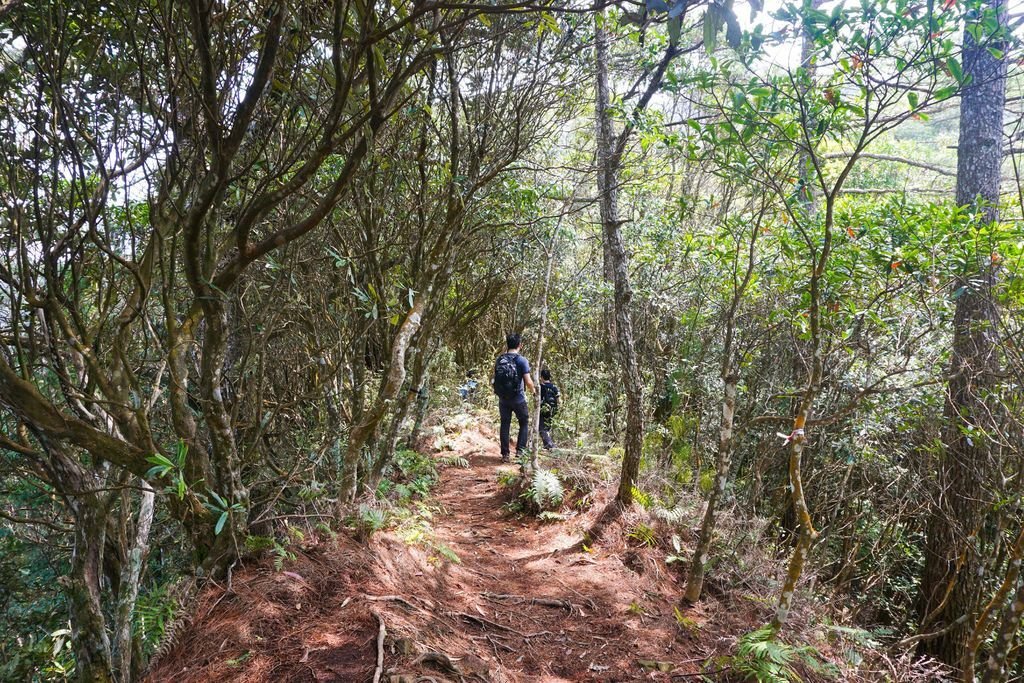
(447,553)
(761,658)
(673,517)
(643,534)
(643,498)
(454,461)
(546,491)
(369,520)
(154,611)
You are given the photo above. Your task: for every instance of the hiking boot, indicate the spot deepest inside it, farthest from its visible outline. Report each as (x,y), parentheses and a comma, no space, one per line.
(504,458)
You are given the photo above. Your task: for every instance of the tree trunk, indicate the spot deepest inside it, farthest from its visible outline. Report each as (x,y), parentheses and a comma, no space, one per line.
(131,575)
(420,413)
(996,669)
(723,464)
(953,572)
(423,352)
(695,577)
(93,662)
(535,422)
(366,426)
(797,440)
(615,250)
(1011,615)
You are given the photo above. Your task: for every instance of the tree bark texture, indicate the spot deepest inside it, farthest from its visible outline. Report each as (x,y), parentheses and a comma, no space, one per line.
(953,570)
(608,162)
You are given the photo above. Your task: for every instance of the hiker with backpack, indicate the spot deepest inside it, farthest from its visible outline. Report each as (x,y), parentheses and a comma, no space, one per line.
(511,374)
(549,395)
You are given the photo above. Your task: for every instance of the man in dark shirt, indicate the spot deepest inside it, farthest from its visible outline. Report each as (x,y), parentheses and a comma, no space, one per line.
(511,375)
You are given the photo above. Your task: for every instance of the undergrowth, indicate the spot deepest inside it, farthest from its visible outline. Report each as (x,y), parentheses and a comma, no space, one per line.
(762,658)
(541,494)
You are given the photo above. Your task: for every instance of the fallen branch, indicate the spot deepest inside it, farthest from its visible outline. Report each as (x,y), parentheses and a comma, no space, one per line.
(699,673)
(381,632)
(487,622)
(390,598)
(547,602)
(911,641)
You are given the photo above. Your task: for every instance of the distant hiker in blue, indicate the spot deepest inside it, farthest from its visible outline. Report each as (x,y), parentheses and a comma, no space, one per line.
(549,396)
(511,375)
(468,389)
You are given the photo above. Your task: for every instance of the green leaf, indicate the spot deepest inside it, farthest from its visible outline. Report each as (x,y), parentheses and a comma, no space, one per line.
(912,99)
(157,472)
(220,523)
(674,29)
(160,460)
(733,35)
(954,68)
(711,26)
(181,452)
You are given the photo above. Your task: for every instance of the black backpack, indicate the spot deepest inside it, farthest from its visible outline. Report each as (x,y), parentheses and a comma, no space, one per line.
(549,399)
(507,381)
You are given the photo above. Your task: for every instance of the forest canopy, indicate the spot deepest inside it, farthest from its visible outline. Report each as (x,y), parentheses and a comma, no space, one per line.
(773,253)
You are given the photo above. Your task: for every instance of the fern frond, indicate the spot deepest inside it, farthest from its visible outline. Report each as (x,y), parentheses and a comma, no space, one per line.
(454,461)
(546,491)
(643,498)
(673,517)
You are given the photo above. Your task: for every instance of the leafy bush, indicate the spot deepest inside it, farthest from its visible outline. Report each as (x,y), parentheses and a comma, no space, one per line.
(707,481)
(508,479)
(410,475)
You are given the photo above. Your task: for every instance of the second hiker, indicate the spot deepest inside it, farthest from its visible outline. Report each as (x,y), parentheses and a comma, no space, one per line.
(511,373)
(548,407)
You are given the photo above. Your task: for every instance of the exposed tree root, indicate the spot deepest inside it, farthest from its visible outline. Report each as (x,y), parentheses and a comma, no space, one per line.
(442,661)
(518,599)
(390,598)
(381,632)
(612,512)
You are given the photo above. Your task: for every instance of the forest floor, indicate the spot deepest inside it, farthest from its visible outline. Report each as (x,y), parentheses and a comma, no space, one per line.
(520,604)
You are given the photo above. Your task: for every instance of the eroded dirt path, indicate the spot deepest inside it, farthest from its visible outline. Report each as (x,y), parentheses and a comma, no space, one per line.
(534,611)
(516,606)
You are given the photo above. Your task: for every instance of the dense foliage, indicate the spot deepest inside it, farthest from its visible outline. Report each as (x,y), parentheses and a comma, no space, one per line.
(245,248)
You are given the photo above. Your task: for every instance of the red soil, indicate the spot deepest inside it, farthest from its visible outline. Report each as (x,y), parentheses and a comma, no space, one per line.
(519,607)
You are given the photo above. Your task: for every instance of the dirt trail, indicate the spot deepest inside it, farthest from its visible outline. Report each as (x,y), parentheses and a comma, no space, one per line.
(545,615)
(517,607)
